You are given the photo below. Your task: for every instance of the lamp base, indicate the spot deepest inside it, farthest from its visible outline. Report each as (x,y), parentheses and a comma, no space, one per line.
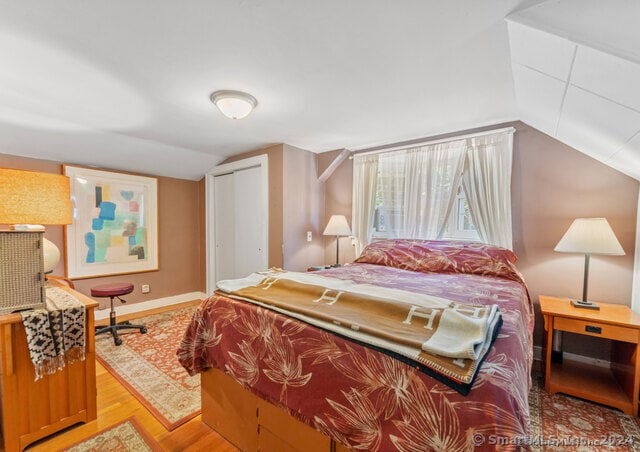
(585,305)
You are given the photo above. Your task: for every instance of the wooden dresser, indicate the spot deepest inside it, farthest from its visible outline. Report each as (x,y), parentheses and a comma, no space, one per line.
(32,410)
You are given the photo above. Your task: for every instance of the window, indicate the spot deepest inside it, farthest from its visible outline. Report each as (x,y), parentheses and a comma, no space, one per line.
(451,189)
(387,216)
(419,195)
(461,225)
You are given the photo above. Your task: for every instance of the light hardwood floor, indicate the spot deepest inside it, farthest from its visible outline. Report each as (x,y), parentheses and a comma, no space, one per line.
(116,404)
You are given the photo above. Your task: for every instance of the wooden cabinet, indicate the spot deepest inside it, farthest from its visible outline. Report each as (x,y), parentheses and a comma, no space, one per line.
(616,386)
(279,432)
(252,424)
(32,410)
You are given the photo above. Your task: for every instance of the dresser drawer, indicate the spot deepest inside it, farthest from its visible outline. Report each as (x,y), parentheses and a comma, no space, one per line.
(597,329)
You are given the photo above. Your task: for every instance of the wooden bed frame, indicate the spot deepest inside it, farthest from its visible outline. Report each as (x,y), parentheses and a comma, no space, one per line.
(251,423)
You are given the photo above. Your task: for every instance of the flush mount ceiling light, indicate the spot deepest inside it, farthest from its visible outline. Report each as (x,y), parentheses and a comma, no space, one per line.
(234,104)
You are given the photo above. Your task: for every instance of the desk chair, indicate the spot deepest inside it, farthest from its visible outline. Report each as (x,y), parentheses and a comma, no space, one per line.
(113,291)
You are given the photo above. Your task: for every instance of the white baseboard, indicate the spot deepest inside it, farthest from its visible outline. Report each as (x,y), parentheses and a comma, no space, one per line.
(101,314)
(537,355)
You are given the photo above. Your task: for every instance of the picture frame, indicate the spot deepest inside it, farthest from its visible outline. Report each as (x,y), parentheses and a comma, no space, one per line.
(115,223)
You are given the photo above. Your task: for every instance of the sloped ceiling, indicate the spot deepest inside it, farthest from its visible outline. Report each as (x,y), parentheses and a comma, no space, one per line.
(126,84)
(576,70)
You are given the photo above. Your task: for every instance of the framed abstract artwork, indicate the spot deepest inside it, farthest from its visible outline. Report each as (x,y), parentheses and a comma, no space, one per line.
(115,223)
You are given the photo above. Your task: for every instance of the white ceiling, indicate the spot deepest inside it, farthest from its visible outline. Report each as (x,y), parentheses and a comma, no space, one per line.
(576,68)
(125,84)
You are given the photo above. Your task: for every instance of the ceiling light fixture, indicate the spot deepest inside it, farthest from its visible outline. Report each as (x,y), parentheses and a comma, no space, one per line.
(234,104)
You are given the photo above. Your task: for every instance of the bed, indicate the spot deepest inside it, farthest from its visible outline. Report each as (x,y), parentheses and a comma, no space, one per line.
(274,381)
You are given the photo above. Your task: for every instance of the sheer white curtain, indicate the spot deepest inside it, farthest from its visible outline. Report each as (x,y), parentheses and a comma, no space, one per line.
(432,178)
(365,180)
(411,193)
(487,183)
(391,193)
(416,190)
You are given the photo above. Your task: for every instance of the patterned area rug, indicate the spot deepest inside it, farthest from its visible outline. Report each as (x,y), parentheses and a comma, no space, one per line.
(560,422)
(146,364)
(127,436)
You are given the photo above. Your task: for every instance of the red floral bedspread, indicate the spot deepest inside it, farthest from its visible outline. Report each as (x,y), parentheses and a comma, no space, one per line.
(363,398)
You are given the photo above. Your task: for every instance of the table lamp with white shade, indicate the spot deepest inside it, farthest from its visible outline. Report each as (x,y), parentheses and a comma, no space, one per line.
(339,227)
(589,236)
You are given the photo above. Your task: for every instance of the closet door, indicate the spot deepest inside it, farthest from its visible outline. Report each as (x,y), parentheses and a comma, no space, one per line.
(240,224)
(224,224)
(250,225)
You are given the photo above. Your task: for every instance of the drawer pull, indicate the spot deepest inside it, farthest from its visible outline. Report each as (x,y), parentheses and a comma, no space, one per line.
(593,329)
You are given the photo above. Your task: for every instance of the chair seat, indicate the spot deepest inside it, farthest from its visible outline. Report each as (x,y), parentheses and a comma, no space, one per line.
(111,290)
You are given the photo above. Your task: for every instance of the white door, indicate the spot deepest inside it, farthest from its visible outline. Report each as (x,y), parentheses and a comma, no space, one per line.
(237,220)
(249,222)
(224,225)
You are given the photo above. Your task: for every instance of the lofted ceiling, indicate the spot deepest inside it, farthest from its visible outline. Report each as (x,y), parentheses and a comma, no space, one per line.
(126,84)
(576,69)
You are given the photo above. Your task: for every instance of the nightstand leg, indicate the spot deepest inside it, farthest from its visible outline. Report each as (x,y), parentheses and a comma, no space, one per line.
(548,324)
(556,351)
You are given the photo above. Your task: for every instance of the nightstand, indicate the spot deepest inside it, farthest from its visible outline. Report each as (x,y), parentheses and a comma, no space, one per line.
(616,386)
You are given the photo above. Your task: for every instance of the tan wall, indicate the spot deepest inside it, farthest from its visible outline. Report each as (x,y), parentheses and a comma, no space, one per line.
(202,220)
(180,225)
(551,185)
(337,201)
(303,202)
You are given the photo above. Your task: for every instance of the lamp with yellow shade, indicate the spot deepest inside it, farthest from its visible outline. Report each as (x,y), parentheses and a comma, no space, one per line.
(29,200)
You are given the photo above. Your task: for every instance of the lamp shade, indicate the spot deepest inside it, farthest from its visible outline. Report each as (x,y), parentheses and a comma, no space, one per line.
(590,236)
(234,104)
(29,197)
(337,226)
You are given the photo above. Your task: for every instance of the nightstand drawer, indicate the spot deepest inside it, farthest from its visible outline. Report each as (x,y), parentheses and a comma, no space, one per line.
(593,328)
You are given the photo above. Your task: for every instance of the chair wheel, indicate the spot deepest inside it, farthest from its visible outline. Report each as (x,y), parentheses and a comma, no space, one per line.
(118,341)
(143,330)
